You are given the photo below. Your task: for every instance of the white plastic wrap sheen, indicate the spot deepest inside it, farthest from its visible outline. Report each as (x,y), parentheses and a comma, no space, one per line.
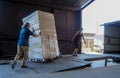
(46,45)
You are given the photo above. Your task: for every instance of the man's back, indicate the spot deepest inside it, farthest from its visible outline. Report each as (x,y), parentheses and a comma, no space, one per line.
(24,37)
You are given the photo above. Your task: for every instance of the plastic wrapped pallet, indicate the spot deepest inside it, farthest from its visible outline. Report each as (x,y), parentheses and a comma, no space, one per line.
(45,46)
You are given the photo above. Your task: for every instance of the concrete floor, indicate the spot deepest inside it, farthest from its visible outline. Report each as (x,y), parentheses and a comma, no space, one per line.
(35,70)
(101,72)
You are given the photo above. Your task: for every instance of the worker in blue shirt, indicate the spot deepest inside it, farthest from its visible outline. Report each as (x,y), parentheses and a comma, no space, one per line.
(23,44)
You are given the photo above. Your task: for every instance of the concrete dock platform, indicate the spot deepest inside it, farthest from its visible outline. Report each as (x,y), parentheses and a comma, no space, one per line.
(53,69)
(57,65)
(101,72)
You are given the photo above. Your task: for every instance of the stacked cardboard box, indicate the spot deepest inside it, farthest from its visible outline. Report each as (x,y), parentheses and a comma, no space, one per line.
(45,46)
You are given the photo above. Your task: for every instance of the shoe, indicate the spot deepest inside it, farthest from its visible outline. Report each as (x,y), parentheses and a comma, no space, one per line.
(24,66)
(74,55)
(13,66)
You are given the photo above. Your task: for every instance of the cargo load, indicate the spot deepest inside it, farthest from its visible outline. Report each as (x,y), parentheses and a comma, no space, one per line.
(45,46)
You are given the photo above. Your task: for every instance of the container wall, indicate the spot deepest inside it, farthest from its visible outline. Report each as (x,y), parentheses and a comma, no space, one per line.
(112,38)
(67,23)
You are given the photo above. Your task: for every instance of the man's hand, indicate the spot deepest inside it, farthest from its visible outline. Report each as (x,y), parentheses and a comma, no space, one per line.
(33,29)
(39,33)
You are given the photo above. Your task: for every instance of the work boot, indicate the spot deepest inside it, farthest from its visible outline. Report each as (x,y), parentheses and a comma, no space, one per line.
(13,66)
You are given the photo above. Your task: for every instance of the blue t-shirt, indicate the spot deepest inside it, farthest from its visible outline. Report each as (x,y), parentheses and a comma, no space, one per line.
(24,37)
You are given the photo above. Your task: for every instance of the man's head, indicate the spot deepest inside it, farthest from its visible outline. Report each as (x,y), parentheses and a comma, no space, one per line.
(27,25)
(81,29)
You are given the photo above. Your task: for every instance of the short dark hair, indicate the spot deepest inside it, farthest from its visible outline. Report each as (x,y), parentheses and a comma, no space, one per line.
(26,24)
(80,29)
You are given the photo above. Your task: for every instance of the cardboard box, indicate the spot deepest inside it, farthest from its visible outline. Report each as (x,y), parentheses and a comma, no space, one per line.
(46,45)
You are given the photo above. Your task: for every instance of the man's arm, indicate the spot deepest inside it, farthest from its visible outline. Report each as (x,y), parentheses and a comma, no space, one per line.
(83,38)
(34,34)
(75,35)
